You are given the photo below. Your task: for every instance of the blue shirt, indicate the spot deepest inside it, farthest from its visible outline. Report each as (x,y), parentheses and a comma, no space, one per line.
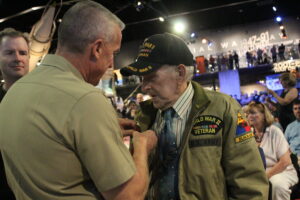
(292,135)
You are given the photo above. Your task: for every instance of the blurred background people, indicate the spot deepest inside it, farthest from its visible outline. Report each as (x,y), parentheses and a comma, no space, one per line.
(274,54)
(230,60)
(249,58)
(259,56)
(285,99)
(139,98)
(130,110)
(292,132)
(281,51)
(236,60)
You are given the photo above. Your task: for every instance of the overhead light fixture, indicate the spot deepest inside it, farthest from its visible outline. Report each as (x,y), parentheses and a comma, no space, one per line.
(179,27)
(193,35)
(161,19)
(139,5)
(204,41)
(278,19)
(281,27)
(274,8)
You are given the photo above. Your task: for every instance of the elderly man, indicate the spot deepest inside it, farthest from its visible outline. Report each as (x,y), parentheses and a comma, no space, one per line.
(292,132)
(205,148)
(139,98)
(14,62)
(61,140)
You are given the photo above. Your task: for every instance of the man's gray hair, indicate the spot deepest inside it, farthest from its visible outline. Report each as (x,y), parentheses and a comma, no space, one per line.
(84,23)
(189,71)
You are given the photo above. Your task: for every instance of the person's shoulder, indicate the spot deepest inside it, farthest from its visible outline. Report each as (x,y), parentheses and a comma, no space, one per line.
(293,90)
(77,88)
(276,131)
(292,125)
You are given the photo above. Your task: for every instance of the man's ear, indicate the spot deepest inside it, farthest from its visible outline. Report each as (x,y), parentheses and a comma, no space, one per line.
(181,71)
(97,47)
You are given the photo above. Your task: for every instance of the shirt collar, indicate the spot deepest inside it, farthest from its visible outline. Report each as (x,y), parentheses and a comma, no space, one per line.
(61,63)
(182,104)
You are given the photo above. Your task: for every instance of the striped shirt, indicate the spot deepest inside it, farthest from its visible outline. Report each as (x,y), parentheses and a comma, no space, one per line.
(182,109)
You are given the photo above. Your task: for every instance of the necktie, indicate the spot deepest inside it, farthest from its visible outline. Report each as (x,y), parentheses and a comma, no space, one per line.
(167,139)
(168,181)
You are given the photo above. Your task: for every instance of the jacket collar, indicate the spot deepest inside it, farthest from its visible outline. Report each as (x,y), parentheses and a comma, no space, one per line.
(199,102)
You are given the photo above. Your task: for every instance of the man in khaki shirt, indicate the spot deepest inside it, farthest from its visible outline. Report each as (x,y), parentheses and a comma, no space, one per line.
(59,136)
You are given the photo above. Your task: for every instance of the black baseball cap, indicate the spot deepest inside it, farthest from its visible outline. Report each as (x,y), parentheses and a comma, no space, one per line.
(158,50)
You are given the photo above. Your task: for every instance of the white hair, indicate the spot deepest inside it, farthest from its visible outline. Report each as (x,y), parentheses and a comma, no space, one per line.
(189,71)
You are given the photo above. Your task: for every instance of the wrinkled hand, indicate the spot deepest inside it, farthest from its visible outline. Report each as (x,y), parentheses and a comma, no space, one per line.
(128,126)
(147,138)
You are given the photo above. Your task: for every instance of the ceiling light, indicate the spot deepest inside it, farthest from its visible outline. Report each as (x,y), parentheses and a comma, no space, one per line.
(204,41)
(161,19)
(139,5)
(281,27)
(274,8)
(193,35)
(278,19)
(179,27)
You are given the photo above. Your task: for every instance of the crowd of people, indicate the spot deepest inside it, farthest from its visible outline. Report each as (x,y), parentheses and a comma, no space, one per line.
(61,138)
(231,60)
(128,108)
(254,57)
(275,128)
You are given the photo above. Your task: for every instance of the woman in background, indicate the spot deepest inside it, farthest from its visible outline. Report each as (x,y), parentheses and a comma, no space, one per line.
(280,171)
(285,100)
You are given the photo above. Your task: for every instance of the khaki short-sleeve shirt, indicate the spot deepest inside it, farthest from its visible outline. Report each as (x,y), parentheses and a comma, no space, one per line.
(60,137)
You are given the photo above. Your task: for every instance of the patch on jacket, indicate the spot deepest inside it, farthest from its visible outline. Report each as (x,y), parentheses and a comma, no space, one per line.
(244,137)
(205,142)
(207,125)
(243,130)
